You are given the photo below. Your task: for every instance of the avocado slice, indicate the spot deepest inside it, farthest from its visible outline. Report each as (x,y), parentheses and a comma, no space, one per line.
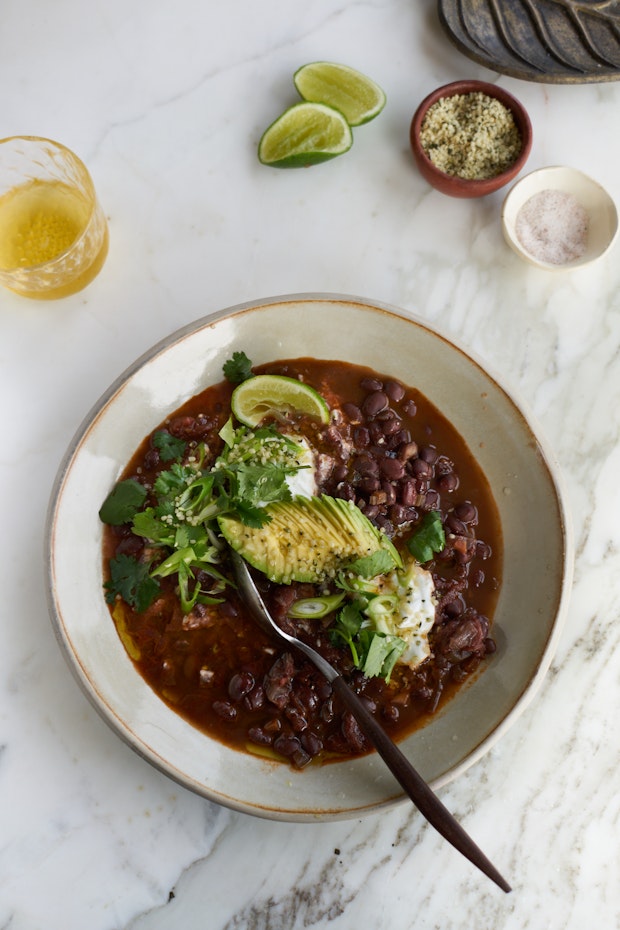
(307,539)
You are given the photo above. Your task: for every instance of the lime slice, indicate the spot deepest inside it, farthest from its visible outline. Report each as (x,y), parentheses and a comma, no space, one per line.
(261,395)
(357,97)
(305,134)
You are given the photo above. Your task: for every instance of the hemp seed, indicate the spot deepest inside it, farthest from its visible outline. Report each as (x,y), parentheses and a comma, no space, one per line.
(472,136)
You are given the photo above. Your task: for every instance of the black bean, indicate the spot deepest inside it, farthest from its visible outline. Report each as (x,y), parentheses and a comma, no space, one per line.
(429,454)
(327,711)
(454,525)
(311,743)
(369,485)
(259,736)
(408,492)
(374,403)
(430,500)
(353,413)
(420,468)
(401,438)
(394,390)
(375,431)
(398,514)
(407,450)
(365,465)
(455,607)
(225,710)
(255,699)
(300,758)
(391,713)
(483,550)
(130,545)
(371,511)
(151,459)
(240,685)
(390,492)
(410,408)
(391,426)
(371,384)
(448,481)
(467,512)
(286,745)
(296,719)
(361,437)
(346,491)
(391,468)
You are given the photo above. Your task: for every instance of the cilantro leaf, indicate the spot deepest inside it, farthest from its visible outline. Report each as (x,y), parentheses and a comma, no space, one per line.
(346,629)
(381,653)
(379,563)
(122,502)
(238,368)
(169,447)
(428,539)
(373,652)
(132,581)
(148,524)
(176,479)
(258,484)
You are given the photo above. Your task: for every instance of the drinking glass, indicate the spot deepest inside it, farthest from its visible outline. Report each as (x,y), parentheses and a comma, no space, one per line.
(53,232)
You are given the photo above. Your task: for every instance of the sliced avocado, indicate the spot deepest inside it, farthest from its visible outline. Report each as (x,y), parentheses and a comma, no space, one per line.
(307,539)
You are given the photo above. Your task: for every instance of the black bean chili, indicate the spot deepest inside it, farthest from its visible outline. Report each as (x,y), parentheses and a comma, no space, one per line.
(390,451)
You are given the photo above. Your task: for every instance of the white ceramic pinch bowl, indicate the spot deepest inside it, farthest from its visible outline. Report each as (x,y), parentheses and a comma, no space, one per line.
(601,211)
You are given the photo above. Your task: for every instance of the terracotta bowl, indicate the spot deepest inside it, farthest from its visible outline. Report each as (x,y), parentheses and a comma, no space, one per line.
(453,185)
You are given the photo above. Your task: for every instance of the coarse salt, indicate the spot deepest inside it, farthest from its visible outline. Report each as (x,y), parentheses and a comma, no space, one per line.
(553,227)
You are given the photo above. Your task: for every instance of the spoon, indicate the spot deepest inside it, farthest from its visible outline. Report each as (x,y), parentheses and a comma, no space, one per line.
(414,785)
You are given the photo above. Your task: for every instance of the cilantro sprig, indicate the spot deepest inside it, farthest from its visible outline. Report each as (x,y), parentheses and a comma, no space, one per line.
(428,539)
(130,579)
(177,517)
(238,368)
(373,652)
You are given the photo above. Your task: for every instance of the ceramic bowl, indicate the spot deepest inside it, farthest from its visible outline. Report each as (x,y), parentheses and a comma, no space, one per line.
(451,184)
(519,467)
(600,209)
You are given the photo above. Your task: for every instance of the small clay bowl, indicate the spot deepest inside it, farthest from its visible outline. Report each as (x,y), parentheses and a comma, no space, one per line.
(602,214)
(453,185)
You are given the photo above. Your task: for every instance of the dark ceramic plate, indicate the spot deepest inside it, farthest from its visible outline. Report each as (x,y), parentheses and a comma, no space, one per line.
(550,41)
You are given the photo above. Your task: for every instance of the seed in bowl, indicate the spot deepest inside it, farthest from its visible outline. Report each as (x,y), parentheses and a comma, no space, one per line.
(472,136)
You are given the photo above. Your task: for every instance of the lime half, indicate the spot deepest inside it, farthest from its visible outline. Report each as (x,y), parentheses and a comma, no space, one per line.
(257,397)
(357,97)
(305,134)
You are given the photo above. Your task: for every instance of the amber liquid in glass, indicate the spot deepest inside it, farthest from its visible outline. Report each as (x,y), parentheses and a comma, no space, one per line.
(41,220)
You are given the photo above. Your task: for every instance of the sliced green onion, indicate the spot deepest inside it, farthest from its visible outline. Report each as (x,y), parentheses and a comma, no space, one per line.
(381,606)
(313,608)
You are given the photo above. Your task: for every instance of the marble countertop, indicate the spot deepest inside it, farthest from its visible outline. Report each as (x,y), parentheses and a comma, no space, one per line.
(166,105)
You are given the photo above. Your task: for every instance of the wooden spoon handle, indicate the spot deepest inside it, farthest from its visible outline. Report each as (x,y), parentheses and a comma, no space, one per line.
(414,785)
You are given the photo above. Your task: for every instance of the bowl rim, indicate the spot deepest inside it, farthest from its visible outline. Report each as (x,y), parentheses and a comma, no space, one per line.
(467,86)
(520,192)
(538,672)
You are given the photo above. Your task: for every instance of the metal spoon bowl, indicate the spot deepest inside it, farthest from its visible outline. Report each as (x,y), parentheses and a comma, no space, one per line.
(413,784)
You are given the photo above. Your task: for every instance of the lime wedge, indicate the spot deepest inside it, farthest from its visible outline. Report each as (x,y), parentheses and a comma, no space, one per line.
(357,97)
(255,398)
(305,134)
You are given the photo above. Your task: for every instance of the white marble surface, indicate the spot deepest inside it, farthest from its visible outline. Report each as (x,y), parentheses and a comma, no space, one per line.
(166,104)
